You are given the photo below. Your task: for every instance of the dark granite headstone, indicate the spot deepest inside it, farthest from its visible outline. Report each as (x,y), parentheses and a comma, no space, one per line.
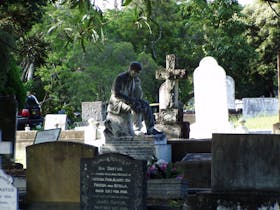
(113,181)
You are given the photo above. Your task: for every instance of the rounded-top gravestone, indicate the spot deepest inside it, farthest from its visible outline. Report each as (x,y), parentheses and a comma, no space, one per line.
(210,96)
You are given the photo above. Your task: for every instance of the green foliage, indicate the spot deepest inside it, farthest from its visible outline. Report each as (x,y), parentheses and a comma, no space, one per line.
(88,49)
(10,83)
(263,35)
(88,76)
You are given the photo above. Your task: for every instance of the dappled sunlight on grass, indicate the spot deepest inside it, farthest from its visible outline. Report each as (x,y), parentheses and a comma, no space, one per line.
(260,122)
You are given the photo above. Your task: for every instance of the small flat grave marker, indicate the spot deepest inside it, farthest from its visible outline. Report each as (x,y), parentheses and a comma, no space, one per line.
(47,135)
(113,181)
(55,121)
(8,193)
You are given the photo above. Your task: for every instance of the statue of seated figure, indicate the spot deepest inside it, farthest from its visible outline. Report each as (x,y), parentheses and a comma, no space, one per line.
(126,106)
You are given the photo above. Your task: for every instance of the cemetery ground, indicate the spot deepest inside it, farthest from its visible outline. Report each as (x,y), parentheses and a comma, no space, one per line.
(196,169)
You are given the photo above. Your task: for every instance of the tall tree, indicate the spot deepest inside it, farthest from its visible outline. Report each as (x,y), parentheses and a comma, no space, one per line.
(263,35)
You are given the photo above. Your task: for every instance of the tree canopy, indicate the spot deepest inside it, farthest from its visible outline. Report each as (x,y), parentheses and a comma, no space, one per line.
(70,51)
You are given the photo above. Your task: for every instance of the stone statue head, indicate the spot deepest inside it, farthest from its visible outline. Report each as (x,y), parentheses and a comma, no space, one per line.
(136,66)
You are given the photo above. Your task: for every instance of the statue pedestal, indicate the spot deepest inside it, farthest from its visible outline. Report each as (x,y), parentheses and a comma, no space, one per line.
(139,147)
(170,121)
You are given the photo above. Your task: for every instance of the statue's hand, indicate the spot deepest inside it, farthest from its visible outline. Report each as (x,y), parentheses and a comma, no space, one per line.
(136,106)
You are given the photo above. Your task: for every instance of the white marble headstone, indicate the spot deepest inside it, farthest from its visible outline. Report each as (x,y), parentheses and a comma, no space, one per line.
(8,193)
(210,96)
(230,92)
(55,121)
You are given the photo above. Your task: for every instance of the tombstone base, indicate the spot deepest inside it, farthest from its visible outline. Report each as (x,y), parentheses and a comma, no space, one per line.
(276,128)
(175,130)
(138,147)
(233,200)
(52,206)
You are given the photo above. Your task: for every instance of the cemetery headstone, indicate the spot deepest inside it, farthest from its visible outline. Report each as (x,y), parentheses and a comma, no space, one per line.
(245,162)
(253,107)
(230,92)
(53,173)
(113,181)
(8,192)
(93,110)
(55,121)
(170,116)
(8,113)
(47,135)
(210,96)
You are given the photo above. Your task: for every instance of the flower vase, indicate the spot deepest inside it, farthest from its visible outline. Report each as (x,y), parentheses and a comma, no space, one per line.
(171,188)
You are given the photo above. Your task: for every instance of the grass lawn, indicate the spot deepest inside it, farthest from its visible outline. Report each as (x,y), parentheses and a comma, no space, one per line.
(260,122)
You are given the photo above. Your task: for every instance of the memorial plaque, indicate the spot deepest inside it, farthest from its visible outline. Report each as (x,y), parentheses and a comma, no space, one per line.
(47,135)
(113,182)
(8,193)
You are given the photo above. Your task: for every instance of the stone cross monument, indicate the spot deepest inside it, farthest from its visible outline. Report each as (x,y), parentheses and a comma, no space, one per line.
(170,118)
(168,97)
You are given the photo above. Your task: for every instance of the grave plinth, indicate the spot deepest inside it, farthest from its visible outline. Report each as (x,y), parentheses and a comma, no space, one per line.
(244,173)
(245,162)
(139,147)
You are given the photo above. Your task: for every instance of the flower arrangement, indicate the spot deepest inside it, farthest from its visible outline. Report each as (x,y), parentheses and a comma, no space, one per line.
(160,169)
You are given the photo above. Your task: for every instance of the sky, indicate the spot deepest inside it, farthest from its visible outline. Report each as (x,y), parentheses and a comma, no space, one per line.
(110,3)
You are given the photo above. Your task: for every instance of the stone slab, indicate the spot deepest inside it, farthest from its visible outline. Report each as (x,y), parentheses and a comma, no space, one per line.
(26,138)
(8,192)
(245,162)
(113,181)
(138,147)
(53,171)
(234,200)
(47,135)
(259,106)
(95,110)
(180,147)
(55,121)
(175,130)
(197,172)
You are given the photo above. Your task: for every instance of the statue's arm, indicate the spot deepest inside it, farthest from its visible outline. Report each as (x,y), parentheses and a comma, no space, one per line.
(118,92)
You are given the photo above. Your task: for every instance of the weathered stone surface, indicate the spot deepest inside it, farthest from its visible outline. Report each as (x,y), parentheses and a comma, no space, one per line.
(53,171)
(141,148)
(181,147)
(259,106)
(113,181)
(175,130)
(118,125)
(95,110)
(245,162)
(8,192)
(196,168)
(26,138)
(167,188)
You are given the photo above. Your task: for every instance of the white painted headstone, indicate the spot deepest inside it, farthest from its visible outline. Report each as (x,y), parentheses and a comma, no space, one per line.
(230,92)
(55,121)
(8,193)
(210,96)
